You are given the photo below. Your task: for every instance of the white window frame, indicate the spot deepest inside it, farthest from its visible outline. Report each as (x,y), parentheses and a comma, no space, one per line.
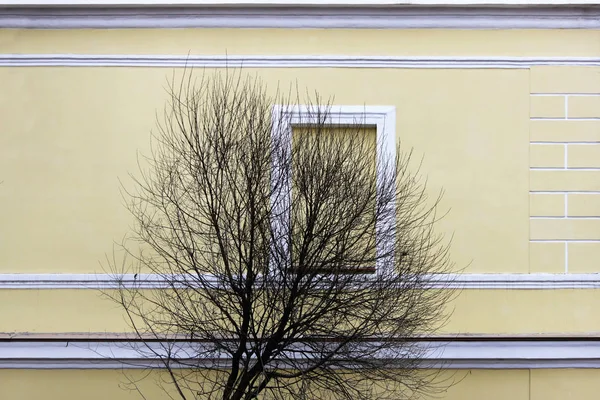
(285,118)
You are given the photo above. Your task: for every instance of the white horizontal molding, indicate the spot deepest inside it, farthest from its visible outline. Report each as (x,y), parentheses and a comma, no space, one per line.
(151,281)
(564,191)
(544,142)
(283,61)
(564,119)
(572,94)
(300,14)
(470,354)
(287,3)
(588,217)
(565,240)
(564,169)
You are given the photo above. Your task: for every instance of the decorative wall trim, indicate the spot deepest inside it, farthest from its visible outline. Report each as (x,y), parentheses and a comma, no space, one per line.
(458,281)
(307,14)
(383,118)
(472,354)
(285,61)
(292,3)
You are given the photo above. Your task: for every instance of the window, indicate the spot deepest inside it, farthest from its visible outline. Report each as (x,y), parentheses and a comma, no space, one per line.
(287,119)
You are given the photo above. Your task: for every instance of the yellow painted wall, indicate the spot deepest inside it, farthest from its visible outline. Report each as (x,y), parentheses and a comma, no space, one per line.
(565,152)
(70,133)
(556,384)
(439,42)
(565,384)
(75,384)
(104,384)
(568,311)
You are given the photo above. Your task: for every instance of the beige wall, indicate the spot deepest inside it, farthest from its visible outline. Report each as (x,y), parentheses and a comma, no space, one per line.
(67,135)
(565,152)
(72,133)
(559,384)
(480,311)
(428,42)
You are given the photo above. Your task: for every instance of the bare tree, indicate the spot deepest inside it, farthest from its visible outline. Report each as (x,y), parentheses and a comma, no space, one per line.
(291,265)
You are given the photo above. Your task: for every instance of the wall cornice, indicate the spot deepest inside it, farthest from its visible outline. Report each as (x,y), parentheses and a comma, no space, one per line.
(472,354)
(287,61)
(299,14)
(288,3)
(455,281)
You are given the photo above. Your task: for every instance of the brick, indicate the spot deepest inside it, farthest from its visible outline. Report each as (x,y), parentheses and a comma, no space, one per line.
(547,257)
(547,205)
(564,131)
(584,107)
(547,155)
(583,155)
(565,229)
(566,180)
(584,257)
(546,79)
(547,106)
(583,205)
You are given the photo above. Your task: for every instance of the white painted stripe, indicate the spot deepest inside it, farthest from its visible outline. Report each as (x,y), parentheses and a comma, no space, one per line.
(589,143)
(321,3)
(311,14)
(286,61)
(564,119)
(568,217)
(458,281)
(476,354)
(564,191)
(574,94)
(564,169)
(565,240)
(425,364)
